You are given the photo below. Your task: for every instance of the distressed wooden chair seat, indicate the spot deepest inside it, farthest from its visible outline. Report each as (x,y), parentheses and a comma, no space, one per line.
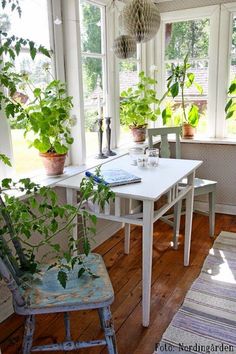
(201,186)
(42,294)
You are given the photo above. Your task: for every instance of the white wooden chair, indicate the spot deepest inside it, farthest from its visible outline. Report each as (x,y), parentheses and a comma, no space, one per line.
(201,186)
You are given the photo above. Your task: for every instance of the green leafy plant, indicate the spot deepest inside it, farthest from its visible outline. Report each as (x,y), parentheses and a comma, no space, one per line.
(179,80)
(136,107)
(46,114)
(230,108)
(5,159)
(41,215)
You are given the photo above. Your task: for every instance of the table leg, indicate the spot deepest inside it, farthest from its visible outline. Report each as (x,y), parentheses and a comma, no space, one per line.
(188,220)
(71,198)
(148,210)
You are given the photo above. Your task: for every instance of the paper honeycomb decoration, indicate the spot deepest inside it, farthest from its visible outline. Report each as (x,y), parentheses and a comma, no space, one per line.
(124,46)
(141,19)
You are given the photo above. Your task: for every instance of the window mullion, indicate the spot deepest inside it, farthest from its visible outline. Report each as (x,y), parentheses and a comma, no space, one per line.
(223,72)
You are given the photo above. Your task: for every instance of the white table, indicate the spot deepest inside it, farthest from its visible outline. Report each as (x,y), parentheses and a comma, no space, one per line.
(156,182)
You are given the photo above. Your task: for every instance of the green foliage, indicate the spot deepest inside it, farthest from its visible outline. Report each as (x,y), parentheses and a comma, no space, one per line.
(13,45)
(180,79)
(230,108)
(190,37)
(42,215)
(14,5)
(47,114)
(136,105)
(5,159)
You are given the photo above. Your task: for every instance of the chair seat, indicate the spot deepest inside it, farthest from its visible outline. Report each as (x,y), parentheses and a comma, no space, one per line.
(45,294)
(201,186)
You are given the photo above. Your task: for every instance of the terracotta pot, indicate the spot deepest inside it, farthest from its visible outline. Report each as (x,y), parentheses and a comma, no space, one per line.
(188,131)
(139,134)
(53,163)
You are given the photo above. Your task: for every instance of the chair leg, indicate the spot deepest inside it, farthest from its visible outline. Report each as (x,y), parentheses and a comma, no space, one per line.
(28,334)
(101,318)
(107,325)
(212,213)
(177,216)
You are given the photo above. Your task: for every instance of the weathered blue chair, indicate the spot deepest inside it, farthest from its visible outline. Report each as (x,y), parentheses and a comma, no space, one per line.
(43,294)
(201,186)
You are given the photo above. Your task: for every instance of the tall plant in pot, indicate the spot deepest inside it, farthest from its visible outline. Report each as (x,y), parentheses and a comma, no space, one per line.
(136,107)
(179,80)
(45,112)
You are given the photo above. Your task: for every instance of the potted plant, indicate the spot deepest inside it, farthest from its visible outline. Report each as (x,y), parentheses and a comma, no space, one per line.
(46,113)
(179,80)
(40,221)
(136,107)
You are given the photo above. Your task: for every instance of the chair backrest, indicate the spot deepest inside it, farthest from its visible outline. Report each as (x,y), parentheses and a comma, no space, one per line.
(10,270)
(165,147)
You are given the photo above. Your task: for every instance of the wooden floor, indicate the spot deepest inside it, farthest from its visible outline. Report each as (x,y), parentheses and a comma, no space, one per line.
(170,282)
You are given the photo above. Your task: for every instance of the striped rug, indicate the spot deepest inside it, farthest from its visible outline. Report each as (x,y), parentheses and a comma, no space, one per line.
(206,321)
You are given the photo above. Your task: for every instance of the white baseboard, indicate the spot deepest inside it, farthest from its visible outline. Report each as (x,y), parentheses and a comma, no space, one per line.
(220,208)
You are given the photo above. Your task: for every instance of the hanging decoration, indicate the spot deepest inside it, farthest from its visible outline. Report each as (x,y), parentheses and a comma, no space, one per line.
(141,19)
(124,46)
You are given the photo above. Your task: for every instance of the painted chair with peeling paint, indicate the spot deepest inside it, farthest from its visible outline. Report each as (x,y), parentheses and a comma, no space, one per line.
(44,294)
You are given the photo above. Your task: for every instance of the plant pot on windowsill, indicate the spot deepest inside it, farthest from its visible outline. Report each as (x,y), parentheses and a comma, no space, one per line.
(139,133)
(188,131)
(53,163)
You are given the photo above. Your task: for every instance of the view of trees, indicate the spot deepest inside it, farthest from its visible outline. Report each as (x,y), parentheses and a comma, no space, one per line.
(187,37)
(91,43)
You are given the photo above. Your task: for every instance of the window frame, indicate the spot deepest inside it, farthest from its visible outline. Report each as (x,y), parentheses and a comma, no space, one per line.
(225,43)
(213,13)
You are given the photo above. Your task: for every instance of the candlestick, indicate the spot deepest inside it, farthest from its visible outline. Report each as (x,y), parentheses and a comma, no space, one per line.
(108,151)
(100,137)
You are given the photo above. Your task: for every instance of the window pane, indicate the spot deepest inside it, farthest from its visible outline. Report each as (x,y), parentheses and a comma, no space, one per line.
(128,77)
(92,80)
(190,37)
(34,17)
(91,134)
(91,32)
(32,24)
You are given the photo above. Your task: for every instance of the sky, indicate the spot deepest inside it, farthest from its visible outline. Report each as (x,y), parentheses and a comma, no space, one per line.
(33,23)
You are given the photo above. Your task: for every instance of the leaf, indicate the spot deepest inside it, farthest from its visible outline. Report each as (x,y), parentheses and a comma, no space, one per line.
(193,115)
(232,88)
(174,89)
(44,51)
(37,92)
(199,88)
(228,105)
(5,160)
(81,272)
(62,278)
(166,115)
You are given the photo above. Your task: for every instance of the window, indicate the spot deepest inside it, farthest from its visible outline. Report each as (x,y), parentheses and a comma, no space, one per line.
(34,17)
(128,77)
(193,32)
(192,38)
(93,70)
